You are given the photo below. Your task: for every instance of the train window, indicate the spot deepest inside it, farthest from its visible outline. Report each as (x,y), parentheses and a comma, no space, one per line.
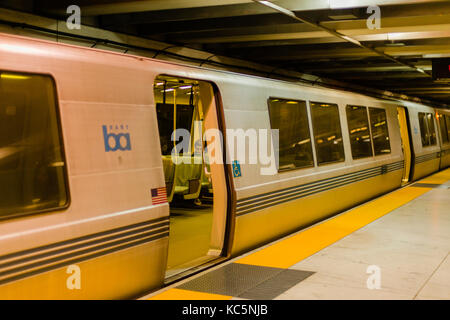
(427,129)
(423,129)
(32,166)
(431,129)
(291,119)
(380,132)
(327,132)
(358,127)
(444,128)
(179,98)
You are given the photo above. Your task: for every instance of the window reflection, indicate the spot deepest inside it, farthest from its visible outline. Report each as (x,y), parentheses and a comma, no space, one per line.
(358,126)
(32,166)
(444,128)
(427,129)
(291,119)
(380,132)
(327,132)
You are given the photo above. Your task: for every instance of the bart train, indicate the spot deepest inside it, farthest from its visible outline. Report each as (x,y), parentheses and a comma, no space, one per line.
(93,205)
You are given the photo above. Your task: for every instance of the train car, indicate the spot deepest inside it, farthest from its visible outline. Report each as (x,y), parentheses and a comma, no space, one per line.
(95,205)
(425,145)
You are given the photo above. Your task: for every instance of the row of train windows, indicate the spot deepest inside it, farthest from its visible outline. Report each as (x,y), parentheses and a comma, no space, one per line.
(444,124)
(368,132)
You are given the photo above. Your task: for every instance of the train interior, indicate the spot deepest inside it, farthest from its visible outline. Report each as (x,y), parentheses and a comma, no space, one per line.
(195,188)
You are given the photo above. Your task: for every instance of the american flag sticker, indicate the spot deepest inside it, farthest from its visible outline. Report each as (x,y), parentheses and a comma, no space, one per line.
(159,195)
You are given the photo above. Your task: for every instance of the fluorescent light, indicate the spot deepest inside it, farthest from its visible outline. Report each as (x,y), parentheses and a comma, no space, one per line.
(343,17)
(436,55)
(352,40)
(13,76)
(278,8)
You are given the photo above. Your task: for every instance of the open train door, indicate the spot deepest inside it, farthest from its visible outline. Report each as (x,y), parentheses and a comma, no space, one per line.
(195,180)
(403,121)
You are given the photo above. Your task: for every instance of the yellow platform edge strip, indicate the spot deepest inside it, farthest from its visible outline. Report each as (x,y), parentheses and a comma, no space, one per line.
(180,294)
(294,249)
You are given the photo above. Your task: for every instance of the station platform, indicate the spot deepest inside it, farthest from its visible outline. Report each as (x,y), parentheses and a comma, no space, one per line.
(393,247)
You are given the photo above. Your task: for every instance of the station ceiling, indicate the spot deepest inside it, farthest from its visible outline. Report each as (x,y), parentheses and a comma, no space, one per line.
(328,38)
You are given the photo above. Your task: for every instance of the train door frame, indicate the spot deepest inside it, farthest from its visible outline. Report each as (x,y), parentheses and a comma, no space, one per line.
(407,148)
(223,252)
(228,168)
(438,135)
(441,138)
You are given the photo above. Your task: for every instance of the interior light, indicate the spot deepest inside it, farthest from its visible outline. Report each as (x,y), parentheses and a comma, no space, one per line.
(13,76)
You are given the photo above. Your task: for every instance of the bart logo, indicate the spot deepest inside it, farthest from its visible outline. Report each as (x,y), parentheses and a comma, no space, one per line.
(116,141)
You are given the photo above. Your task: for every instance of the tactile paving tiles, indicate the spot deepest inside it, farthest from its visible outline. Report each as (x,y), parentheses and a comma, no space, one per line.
(247,281)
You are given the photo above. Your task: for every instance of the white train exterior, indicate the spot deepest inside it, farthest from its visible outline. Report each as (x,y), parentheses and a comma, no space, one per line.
(107,224)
